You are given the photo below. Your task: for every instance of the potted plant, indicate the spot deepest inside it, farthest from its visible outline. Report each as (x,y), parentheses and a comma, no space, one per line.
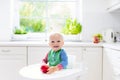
(20,31)
(72,29)
(19,34)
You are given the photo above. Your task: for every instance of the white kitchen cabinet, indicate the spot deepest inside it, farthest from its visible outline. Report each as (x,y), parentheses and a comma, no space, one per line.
(36,54)
(92,57)
(114,6)
(76,51)
(113,2)
(12,59)
(111,64)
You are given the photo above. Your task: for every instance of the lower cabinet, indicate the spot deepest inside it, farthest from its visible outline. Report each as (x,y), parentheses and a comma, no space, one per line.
(111,64)
(75,51)
(12,59)
(36,54)
(92,56)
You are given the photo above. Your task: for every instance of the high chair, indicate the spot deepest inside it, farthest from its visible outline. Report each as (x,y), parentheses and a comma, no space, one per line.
(73,72)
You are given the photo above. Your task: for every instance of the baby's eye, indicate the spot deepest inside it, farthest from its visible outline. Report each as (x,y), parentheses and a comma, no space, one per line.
(52,41)
(58,41)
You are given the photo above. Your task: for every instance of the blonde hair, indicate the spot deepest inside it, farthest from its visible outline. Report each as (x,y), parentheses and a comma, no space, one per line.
(56,34)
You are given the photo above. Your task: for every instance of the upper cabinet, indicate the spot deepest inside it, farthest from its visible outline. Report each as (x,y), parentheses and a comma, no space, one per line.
(114,6)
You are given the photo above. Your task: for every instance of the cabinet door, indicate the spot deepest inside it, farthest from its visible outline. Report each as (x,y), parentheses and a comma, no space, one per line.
(111,64)
(76,51)
(114,2)
(12,59)
(36,54)
(74,56)
(92,57)
(114,6)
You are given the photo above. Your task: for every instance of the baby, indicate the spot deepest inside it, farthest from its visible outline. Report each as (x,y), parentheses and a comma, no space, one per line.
(56,58)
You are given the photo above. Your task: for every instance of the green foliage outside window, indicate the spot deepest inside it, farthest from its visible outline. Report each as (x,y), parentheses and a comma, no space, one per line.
(33,15)
(29,18)
(33,25)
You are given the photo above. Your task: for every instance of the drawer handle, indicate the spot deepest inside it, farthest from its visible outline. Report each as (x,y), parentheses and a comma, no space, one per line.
(6,50)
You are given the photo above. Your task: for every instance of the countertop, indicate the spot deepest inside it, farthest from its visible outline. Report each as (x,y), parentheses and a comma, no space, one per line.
(43,43)
(38,43)
(115,46)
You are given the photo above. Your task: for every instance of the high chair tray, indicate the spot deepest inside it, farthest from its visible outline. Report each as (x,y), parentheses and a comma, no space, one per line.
(33,72)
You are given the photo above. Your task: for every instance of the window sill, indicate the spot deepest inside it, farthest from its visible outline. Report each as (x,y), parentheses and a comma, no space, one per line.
(43,37)
(29,37)
(72,38)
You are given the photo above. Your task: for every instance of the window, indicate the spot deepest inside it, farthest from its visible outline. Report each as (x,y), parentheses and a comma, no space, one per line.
(35,19)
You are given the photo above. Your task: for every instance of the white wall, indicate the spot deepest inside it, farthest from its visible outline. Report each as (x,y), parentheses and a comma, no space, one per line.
(96,19)
(5,28)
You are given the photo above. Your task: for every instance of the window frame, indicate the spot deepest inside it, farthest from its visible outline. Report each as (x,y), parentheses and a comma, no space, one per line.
(27,37)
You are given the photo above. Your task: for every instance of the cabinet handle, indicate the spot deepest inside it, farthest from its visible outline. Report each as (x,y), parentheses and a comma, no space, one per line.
(6,50)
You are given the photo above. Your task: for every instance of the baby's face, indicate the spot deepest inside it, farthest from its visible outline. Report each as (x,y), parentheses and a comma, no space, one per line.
(56,42)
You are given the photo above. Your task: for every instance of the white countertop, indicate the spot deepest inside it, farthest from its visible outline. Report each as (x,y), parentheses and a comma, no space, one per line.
(112,45)
(38,43)
(82,44)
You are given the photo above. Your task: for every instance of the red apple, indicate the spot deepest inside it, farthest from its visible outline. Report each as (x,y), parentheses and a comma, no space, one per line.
(96,39)
(44,68)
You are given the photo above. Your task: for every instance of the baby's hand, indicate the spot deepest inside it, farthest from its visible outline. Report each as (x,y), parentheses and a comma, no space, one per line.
(52,69)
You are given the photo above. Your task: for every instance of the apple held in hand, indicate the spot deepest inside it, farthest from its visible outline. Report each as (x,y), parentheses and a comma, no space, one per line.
(44,68)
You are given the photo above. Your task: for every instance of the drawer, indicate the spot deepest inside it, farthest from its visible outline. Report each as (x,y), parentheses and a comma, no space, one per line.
(13,53)
(12,50)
